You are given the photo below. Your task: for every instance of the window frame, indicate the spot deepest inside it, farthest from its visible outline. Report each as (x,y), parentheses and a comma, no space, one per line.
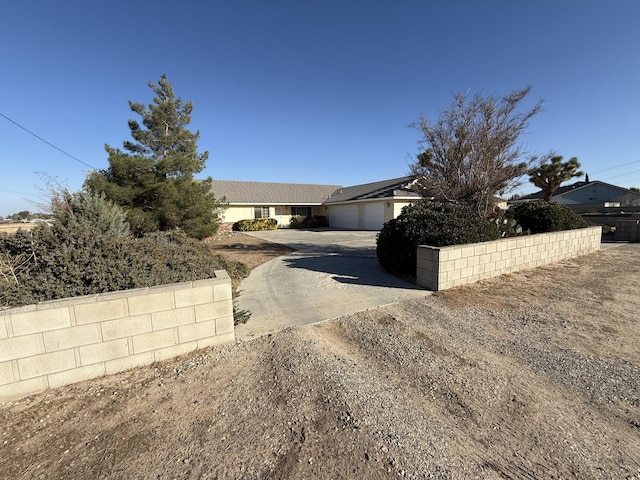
(259,212)
(295,211)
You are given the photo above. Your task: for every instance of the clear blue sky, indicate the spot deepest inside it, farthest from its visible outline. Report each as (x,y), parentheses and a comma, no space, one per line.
(311,91)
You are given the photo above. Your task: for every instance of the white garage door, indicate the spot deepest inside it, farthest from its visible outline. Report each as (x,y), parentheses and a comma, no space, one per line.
(343,216)
(373,216)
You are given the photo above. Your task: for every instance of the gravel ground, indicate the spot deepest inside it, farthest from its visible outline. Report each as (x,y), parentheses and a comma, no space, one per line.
(531,375)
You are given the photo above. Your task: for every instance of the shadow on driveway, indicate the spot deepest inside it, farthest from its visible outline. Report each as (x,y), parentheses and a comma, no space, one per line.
(348,267)
(331,273)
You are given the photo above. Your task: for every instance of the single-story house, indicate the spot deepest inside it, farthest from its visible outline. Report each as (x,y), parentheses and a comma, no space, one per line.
(282,201)
(369,206)
(359,207)
(594,195)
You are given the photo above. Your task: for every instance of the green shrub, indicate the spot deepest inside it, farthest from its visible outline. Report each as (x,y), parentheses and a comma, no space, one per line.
(91,210)
(541,217)
(429,223)
(60,261)
(255,225)
(316,221)
(508,226)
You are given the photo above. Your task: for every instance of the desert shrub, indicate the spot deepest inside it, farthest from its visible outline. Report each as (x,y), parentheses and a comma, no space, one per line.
(255,225)
(60,261)
(507,226)
(89,209)
(541,217)
(316,221)
(429,223)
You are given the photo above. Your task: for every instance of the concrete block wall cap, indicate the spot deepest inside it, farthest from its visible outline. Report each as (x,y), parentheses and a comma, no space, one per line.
(62,302)
(169,287)
(205,282)
(118,294)
(221,274)
(23,309)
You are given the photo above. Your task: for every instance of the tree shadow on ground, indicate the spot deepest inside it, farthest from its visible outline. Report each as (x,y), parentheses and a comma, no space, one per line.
(348,266)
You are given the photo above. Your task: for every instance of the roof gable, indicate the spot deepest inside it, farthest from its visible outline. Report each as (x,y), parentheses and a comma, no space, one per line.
(271,193)
(395,187)
(568,189)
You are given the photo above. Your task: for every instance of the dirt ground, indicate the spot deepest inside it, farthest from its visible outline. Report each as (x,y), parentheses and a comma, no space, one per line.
(250,250)
(14,227)
(535,375)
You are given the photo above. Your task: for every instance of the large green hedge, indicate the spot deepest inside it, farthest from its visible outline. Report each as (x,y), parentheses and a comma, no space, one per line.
(442,224)
(429,223)
(542,217)
(60,261)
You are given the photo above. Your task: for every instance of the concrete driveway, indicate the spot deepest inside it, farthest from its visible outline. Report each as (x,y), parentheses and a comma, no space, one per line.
(331,273)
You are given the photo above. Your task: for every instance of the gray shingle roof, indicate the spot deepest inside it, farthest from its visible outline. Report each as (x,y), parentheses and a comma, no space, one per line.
(569,188)
(396,187)
(271,193)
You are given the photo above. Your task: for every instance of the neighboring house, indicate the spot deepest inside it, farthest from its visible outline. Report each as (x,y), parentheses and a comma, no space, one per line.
(282,201)
(359,207)
(369,206)
(593,195)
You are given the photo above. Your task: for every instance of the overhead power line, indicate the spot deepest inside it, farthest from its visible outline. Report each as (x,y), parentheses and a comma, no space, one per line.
(48,143)
(615,166)
(621,175)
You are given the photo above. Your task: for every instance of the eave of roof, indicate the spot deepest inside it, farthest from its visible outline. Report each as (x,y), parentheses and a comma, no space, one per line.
(238,192)
(402,187)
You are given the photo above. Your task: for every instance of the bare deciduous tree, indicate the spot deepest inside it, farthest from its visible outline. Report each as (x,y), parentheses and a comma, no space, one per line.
(471,154)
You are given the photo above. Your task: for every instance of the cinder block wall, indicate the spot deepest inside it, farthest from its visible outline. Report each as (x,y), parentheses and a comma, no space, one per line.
(65,341)
(439,268)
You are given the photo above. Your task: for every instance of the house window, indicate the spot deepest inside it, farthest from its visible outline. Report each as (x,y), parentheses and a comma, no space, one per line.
(301,211)
(260,212)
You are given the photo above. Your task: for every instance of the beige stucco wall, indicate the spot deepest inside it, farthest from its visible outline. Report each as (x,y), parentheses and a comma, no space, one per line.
(65,341)
(235,213)
(391,209)
(397,208)
(439,268)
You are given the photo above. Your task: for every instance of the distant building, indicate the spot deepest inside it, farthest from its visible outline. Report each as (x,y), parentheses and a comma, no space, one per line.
(595,194)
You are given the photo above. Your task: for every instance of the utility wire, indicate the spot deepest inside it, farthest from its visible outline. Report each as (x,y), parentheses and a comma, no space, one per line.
(621,175)
(617,166)
(48,143)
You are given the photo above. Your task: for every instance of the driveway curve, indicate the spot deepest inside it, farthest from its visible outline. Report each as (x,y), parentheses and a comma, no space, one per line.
(331,273)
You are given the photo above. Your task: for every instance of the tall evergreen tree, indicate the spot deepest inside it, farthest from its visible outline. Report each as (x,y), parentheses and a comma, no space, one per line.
(549,176)
(153,178)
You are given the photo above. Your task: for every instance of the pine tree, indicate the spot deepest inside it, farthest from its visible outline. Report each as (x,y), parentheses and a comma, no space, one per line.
(153,178)
(549,176)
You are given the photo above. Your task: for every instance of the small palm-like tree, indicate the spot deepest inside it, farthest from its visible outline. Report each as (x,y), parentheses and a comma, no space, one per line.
(549,176)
